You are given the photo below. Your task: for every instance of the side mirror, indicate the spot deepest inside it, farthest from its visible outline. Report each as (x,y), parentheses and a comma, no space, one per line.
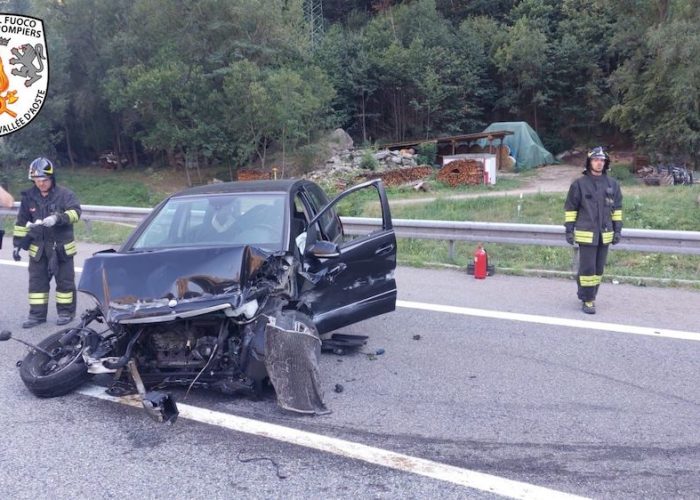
(323,250)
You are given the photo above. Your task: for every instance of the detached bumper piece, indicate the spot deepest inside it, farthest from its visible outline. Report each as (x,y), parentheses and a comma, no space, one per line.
(161,407)
(292,350)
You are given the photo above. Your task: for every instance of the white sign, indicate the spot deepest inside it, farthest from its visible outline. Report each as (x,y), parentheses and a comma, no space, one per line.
(24,70)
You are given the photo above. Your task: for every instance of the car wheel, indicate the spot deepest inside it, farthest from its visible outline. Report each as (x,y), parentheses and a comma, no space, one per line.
(64,371)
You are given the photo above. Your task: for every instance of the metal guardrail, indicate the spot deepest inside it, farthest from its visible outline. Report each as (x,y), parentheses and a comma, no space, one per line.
(128,215)
(642,240)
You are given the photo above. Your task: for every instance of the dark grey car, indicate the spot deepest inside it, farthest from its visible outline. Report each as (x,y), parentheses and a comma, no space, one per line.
(224,286)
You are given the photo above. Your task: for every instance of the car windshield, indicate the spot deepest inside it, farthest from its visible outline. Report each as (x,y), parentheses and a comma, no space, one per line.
(224,219)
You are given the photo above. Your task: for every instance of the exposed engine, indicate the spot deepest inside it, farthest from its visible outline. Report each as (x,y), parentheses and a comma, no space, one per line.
(179,345)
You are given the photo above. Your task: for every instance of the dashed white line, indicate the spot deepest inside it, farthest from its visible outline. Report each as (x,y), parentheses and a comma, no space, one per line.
(357,451)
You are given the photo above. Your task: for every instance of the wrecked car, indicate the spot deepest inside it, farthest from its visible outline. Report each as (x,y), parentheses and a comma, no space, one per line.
(229,287)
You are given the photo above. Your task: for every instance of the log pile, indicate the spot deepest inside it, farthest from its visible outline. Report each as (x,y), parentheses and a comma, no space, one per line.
(253,175)
(651,177)
(462,172)
(401,176)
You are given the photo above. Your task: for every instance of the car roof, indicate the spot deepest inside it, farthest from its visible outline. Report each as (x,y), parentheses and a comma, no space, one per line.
(282,185)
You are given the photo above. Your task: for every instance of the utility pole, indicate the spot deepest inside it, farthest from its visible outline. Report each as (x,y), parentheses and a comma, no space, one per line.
(313,12)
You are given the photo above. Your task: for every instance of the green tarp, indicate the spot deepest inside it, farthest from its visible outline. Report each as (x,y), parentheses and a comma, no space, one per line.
(525,145)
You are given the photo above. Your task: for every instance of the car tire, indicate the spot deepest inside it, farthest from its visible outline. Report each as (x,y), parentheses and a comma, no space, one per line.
(67,374)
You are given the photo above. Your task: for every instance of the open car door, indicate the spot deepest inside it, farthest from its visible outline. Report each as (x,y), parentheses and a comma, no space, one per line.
(353,275)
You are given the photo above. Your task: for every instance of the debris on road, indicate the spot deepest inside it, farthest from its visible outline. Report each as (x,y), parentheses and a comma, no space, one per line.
(340,343)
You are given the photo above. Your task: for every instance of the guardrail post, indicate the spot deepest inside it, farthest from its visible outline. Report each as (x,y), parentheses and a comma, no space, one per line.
(451,250)
(88,226)
(574,259)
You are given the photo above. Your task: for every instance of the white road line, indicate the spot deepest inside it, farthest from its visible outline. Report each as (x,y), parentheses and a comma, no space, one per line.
(23,263)
(13,263)
(385,458)
(548,320)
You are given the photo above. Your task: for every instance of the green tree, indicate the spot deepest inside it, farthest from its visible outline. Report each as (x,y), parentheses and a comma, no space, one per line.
(523,64)
(252,120)
(658,82)
(298,101)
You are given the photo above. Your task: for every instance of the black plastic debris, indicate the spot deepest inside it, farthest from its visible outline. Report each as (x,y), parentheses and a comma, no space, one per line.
(340,343)
(490,269)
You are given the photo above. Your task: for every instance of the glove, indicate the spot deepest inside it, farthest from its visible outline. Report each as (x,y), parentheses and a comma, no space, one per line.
(570,238)
(616,238)
(50,221)
(15,254)
(24,242)
(37,222)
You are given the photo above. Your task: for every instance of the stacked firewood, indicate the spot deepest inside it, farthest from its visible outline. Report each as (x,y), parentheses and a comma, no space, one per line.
(253,175)
(651,177)
(402,175)
(461,172)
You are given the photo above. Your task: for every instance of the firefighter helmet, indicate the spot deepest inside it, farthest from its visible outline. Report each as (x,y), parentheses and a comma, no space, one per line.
(41,167)
(598,152)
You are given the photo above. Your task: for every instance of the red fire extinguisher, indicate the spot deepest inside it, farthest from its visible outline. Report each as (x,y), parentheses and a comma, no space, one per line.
(481,262)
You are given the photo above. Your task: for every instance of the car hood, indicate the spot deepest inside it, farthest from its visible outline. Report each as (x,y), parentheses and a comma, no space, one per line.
(164,285)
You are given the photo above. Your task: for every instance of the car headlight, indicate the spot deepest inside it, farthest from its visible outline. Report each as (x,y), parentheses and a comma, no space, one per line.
(248,310)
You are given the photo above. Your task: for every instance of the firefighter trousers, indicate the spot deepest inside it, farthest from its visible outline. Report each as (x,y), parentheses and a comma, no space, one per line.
(39,281)
(591,264)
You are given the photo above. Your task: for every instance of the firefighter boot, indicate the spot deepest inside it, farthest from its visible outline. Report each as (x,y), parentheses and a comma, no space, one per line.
(33,321)
(64,319)
(588,307)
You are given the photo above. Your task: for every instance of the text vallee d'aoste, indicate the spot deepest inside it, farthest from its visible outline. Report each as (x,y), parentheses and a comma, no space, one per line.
(21,121)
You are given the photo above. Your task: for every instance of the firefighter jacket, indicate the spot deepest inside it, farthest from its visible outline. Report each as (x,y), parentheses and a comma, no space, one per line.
(593,209)
(40,240)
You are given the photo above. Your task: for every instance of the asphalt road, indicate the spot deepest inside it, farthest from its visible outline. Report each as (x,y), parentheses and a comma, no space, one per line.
(582,411)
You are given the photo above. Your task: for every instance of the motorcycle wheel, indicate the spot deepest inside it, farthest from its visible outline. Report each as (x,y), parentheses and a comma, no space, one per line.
(48,377)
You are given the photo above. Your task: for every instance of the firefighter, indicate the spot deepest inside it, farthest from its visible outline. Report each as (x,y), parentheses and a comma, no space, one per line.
(593,220)
(6,199)
(44,226)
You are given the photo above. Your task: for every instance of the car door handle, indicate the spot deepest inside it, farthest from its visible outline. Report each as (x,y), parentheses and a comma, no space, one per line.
(384,250)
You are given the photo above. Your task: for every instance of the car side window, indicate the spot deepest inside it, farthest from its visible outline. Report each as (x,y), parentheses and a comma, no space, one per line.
(362,202)
(330,224)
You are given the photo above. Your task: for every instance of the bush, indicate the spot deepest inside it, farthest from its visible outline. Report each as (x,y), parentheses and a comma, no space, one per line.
(623,173)
(368,162)
(556,144)
(308,158)
(427,153)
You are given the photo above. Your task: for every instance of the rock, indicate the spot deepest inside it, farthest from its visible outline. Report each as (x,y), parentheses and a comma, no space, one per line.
(339,388)
(340,139)
(381,155)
